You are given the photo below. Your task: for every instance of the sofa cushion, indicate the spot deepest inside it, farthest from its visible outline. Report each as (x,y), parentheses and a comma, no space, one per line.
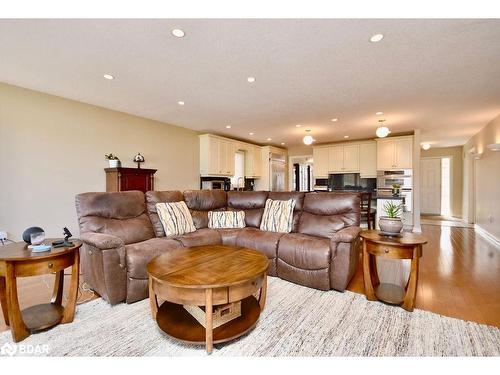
(229,235)
(200,237)
(326,213)
(297,197)
(200,202)
(121,214)
(252,202)
(304,252)
(138,255)
(226,219)
(153,197)
(175,218)
(265,242)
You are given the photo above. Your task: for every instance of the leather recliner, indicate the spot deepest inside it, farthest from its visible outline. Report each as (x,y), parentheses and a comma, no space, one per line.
(121,233)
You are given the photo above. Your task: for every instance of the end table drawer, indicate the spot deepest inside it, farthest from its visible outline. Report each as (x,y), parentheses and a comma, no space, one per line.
(390,251)
(35,266)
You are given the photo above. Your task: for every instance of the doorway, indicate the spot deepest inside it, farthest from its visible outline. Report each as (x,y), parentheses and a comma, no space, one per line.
(436,186)
(301,173)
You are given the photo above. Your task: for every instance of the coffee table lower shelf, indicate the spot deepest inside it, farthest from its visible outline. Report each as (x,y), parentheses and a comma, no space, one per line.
(176,322)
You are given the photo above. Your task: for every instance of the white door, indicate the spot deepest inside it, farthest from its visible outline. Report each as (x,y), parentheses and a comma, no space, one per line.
(430,186)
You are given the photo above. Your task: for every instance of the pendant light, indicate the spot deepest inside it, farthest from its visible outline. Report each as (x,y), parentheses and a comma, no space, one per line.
(308,139)
(382,131)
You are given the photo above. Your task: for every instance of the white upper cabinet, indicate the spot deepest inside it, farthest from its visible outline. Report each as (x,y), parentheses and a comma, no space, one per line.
(336,159)
(395,152)
(368,160)
(351,158)
(253,161)
(321,161)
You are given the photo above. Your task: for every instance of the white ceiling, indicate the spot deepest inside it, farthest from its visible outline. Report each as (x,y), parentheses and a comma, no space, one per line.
(442,76)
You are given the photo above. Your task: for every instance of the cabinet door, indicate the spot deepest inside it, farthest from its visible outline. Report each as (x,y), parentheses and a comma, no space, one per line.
(213,156)
(368,160)
(404,153)
(351,158)
(257,162)
(320,162)
(229,162)
(336,159)
(385,154)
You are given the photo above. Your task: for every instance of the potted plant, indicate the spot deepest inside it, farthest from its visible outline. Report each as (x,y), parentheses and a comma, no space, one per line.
(113,160)
(392,223)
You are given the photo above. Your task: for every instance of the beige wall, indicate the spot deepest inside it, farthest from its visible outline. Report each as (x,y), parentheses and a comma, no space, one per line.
(300,151)
(53,148)
(457,175)
(486,171)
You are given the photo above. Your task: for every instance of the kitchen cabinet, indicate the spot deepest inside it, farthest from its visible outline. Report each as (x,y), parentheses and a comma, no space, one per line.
(368,160)
(344,158)
(216,156)
(321,161)
(336,159)
(395,153)
(253,161)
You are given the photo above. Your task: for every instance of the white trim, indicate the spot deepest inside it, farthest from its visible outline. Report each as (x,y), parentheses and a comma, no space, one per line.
(487,236)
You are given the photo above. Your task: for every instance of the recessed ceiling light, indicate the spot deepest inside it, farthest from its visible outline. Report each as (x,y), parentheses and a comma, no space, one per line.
(298,125)
(379,113)
(346,136)
(334,119)
(282,143)
(109,76)
(250,79)
(269,139)
(251,133)
(180,102)
(376,38)
(178,33)
(228,126)
(426,146)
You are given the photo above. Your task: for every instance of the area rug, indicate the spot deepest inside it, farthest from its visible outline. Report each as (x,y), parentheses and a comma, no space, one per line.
(297,321)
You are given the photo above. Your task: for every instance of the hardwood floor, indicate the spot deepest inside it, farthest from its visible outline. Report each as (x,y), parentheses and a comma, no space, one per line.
(459,277)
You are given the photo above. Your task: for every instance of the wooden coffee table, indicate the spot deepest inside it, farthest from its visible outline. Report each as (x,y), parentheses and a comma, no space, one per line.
(207,276)
(408,246)
(16,260)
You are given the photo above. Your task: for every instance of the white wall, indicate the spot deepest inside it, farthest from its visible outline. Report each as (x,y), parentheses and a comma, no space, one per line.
(53,148)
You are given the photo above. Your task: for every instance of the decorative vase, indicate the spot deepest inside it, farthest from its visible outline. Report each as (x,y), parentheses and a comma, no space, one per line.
(390,225)
(114,163)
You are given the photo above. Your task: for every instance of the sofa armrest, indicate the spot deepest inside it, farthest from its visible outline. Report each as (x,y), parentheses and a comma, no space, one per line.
(101,241)
(348,234)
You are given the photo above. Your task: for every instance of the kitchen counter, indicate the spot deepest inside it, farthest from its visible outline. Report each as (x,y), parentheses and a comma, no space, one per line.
(387,197)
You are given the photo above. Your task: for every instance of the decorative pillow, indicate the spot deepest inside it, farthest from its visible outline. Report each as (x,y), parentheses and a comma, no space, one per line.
(226,219)
(175,218)
(278,216)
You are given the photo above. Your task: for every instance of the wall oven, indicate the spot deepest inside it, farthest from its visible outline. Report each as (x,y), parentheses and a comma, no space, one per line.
(403,178)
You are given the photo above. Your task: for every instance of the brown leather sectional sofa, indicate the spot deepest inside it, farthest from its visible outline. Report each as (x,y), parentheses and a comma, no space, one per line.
(121,233)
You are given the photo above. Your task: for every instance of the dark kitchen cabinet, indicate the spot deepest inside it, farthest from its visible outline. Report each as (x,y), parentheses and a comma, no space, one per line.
(122,179)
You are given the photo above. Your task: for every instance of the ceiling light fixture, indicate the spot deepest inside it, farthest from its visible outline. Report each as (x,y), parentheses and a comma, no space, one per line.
(250,79)
(382,131)
(298,125)
(376,38)
(379,113)
(228,126)
(269,139)
(308,139)
(180,102)
(282,143)
(334,120)
(346,136)
(251,133)
(109,76)
(178,33)
(426,146)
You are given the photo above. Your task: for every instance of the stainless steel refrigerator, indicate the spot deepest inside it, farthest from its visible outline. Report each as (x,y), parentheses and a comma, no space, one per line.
(277,172)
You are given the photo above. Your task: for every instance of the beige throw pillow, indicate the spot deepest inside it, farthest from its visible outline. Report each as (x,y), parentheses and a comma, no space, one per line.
(175,218)
(278,216)
(226,219)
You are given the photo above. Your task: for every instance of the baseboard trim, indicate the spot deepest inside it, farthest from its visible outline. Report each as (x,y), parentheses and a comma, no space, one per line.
(487,235)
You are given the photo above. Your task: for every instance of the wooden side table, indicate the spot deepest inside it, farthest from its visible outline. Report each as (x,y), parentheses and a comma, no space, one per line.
(16,260)
(408,246)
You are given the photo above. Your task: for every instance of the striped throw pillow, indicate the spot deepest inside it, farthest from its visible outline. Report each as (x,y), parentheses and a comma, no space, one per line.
(226,219)
(278,216)
(175,218)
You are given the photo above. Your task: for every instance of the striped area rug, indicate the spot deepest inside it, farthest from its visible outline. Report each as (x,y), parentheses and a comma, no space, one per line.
(297,321)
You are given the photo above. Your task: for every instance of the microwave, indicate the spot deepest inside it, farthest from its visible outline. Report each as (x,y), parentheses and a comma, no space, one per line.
(213,185)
